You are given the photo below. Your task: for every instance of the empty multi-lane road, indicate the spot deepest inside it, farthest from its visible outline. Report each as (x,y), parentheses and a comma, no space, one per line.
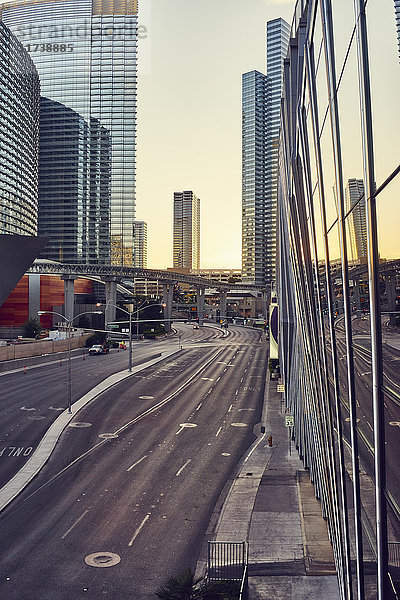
(126,497)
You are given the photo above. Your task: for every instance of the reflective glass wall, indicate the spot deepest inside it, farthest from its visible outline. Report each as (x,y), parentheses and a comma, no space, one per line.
(19,137)
(339,277)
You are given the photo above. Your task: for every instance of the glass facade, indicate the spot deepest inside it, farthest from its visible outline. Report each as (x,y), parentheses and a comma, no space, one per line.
(254,189)
(85,53)
(74,186)
(19,135)
(260,142)
(186,251)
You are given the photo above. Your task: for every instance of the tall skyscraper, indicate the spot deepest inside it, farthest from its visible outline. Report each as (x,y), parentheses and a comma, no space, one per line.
(74,186)
(260,145)
(357,222)
(254,180)
(140,236)
(186,251)
(278,33)
(85,54)
(19,137)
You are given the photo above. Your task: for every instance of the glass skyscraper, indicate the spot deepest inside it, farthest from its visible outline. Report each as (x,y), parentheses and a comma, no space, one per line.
(85,53)
(186,230)
(260,143)
(254,181)
(19,137)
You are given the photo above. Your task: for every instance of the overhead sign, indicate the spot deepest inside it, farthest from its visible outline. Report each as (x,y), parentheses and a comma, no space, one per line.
(289,421)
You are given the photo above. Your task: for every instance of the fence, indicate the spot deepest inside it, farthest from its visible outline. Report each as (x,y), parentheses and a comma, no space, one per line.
(228,561)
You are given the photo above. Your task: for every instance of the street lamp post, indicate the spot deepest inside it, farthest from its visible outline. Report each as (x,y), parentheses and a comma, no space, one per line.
(69,329)
(127,312)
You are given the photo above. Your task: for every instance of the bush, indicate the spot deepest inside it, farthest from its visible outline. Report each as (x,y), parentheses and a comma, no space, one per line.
(31,328)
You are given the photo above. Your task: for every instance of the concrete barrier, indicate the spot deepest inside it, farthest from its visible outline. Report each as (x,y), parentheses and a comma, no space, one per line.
(40,347)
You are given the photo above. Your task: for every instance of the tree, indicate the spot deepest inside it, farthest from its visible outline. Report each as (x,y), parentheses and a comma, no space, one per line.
(184,586)
(31,328)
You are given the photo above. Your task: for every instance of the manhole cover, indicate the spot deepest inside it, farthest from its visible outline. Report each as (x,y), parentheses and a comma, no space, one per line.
(146,397)
(102,559)
(239,424)
(108,436)
(78,424)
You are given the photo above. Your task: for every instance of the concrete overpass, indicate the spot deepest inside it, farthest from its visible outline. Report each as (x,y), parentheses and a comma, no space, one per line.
(114,277)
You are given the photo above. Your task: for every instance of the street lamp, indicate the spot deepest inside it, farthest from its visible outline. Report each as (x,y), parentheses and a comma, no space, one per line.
(127,312)
(69,327)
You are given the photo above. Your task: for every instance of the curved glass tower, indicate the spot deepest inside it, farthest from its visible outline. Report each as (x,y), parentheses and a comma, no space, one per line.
(19,135)
(85,53)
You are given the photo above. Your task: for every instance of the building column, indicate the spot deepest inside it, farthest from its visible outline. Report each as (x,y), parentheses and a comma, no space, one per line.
(265,303)
(390,284)
(34,295)
(356,291)
(69,298)
(111,300)
(200,303)
(222,304)
(168,294)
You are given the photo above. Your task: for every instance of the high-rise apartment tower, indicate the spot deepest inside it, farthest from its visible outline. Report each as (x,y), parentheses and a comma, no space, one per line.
(140,237)
(85,54)
(260,145)
(357,222)
(186,251)
(397,15)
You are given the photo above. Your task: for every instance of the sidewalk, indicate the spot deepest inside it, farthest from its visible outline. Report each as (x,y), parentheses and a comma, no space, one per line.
(271,504)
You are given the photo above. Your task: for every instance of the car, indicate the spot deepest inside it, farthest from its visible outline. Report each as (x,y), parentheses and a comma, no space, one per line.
(98,349)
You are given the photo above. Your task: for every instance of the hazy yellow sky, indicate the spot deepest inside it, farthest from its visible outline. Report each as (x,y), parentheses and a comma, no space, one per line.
(189,114)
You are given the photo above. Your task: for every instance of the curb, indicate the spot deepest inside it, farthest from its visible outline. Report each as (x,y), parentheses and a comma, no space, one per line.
(46,446)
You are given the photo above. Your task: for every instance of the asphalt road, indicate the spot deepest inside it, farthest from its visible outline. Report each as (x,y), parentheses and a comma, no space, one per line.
(139,477)
(31,401)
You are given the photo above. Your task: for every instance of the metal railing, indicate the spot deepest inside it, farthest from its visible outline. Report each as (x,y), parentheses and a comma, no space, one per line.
(228,561)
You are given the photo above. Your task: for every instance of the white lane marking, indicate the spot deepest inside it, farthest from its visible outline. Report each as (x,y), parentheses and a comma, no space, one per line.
(76,523)
(184,426)
(225,454)
(239,424)
(230,408)
(179,430)
(139,529)
(137,462)
(181,469)
(218,432)
(25,408)
(218,378)
(237,391)
(207,378)
(199,406)
(241,380)
(254,447)
(219,362)
(366,373)
(146,397)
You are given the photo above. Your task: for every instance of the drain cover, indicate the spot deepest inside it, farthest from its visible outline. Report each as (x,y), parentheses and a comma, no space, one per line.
(108,436)
(80,424)
(102,559)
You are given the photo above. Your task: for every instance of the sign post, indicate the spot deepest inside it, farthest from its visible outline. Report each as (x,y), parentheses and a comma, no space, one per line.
(289,423)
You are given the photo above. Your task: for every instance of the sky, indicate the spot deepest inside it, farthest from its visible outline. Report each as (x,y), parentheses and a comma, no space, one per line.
(189,117)
(192,56)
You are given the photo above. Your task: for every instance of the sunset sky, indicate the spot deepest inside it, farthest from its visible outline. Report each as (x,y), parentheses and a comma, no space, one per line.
(189,113)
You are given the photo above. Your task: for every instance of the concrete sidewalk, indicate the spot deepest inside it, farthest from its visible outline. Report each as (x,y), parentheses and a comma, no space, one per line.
(271,504)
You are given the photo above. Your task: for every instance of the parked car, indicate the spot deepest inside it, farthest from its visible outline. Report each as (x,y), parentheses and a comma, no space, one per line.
(98,349)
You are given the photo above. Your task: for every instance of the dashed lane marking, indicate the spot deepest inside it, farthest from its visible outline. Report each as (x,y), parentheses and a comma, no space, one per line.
(137,462)
(139,529)
(79,519)
(183,467)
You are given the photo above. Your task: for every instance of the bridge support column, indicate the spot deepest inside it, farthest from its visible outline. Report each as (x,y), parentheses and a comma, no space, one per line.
(111,300)
(168,293)
(222,304)
(200,303)
(390,284)
(69,298)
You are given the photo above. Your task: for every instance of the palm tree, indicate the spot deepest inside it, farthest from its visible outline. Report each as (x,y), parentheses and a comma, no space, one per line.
(184,586)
